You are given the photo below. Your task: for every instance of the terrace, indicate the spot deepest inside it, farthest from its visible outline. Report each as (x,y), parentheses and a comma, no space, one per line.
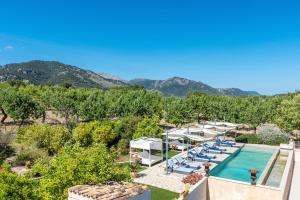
(229,172)
(156,175)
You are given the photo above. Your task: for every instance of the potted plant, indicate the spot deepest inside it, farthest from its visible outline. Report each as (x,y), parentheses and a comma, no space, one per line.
(133,170)
(206,168)
(253,173)
(134,167)
(173,146)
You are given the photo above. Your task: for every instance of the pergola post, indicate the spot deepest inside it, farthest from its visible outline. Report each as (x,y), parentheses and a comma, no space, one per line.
(150,156)
(167,146)
(187,151)
(130,154)
(162,151)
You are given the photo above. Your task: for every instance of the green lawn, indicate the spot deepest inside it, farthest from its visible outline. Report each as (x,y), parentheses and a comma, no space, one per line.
(141,168)
(161,194)
(171,153)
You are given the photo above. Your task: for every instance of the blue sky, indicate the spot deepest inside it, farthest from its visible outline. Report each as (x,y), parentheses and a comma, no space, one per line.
(250,44)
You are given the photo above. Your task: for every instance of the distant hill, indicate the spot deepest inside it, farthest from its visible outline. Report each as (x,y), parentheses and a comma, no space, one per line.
(177,86)
(237,92)
(53,72)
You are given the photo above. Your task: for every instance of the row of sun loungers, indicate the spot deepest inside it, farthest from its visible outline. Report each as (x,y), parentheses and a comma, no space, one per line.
(183,166)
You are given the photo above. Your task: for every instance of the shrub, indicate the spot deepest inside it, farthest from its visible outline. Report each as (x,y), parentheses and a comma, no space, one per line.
(248,138)
(127,126)
(148,127)
(271,134)
(29,155)
(87,134)
(75,165)
(14,187)
(5,151)
(44,137)
(266,134)
(123,146)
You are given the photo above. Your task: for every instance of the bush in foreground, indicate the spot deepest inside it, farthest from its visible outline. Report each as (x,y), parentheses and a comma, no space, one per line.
(43,137)
(14,187)
(74,166)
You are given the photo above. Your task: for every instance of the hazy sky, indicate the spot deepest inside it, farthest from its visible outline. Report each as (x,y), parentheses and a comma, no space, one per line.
(250,44)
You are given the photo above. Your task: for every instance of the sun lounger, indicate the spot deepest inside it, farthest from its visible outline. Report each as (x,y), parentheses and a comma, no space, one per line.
(219,141)
(180,169)
(214,146)
(194,156)
(179,146)
(201,154)
(210,149)
(185,163)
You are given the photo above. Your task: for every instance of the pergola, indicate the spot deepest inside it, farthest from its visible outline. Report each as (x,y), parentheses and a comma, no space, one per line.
(147,144)
(223,124)
(188,133)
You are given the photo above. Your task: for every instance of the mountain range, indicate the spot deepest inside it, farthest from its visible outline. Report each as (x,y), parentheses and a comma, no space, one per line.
(177,86)
(53,72)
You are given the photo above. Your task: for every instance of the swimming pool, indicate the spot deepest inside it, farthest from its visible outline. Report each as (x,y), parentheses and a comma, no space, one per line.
(237,166)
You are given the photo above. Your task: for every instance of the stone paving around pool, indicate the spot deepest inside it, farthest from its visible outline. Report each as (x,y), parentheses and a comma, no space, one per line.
(155,175)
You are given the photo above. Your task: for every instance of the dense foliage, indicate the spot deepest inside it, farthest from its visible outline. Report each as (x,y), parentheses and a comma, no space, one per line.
(87,134)
(27,101)
(148,127)
(43,137)
(14,187)
(75,165)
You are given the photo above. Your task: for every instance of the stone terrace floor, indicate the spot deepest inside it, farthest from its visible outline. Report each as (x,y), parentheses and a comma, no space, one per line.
(155,175)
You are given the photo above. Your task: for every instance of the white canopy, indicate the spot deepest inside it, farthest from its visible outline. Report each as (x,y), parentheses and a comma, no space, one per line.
(205,131)
(223,128)
(176,133)
(224,124)
(147,143)
(188,133)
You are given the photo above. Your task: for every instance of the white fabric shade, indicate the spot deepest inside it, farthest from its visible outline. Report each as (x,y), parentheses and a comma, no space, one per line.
(176,133)
(205,131)
(147,143)
(224,124)
(223,128)
(188,133)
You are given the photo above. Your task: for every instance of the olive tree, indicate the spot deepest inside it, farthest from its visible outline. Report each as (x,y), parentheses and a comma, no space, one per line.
(271,134)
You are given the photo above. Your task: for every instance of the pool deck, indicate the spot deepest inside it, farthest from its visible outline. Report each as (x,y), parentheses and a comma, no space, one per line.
(155,175)
(295,192)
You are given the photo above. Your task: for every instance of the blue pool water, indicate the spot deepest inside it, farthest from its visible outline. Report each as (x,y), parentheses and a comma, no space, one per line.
(237,167)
